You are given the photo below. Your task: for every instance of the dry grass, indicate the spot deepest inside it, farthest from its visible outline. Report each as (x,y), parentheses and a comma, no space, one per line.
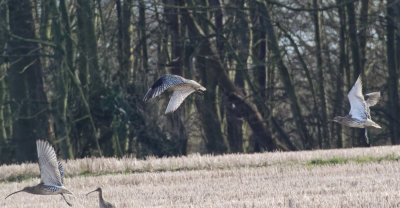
(365,177)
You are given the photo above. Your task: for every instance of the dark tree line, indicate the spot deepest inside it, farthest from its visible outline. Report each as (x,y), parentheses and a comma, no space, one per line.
(276,72)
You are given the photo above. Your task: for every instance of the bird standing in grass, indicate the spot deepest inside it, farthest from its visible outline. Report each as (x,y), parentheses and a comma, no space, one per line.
(180,86)
(51,173)
(102,203)
(359,115)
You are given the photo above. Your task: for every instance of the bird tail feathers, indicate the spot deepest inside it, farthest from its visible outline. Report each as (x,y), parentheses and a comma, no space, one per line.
(369,122)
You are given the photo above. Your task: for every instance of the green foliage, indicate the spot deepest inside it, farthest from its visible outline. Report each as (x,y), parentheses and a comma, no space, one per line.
(364,159)
(19,177)
(388,157)
(331,161)
(359,159)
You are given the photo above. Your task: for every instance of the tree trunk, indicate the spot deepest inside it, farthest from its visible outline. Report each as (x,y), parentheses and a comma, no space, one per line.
(395,77)
(392,82)
(88,60)
(242,107)
(44,29)
(142,35)
(358,139)
(234,122)
(89,76)
(362,34)
(353,40)
(207,107)
(323,142)
(339,98)
(258,54)
(397,37)
(177,128)
(310,83)
(3,90)
(124,74)
(283,71)
(62,77)
(259,51)
(219,29)
(124,42)
(25,83)
(174,23)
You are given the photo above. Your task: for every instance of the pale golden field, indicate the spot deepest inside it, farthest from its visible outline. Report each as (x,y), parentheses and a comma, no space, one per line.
(361,177)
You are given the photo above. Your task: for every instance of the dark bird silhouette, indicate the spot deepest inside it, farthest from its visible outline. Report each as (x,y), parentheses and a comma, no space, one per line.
(102,202)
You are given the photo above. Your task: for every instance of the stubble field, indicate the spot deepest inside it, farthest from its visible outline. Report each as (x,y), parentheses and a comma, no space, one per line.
(360,177)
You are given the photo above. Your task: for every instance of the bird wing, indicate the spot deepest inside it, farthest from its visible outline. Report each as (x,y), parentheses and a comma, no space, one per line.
(163,83)
(178,97)
(357,103)
(48,165)
(61,169)
(373,98)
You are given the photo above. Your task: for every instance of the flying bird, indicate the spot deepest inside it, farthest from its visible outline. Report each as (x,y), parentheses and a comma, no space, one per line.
(180,86)
(51,173)
(102,203)
(359,115)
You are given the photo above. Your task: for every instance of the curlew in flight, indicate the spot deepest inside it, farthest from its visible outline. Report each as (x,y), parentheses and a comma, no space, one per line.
(180,86)
(51,173)
(359,115)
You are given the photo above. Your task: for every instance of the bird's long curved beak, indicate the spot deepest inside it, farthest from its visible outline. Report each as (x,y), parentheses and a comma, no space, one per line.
(91,192)
(14,193)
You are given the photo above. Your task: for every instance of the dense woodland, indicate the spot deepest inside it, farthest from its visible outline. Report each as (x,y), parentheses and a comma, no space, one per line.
(276,72)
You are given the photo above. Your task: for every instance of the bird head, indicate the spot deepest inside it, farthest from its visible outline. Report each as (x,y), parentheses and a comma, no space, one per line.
(28,189)
(339,119)
(98,189)
(200,91)
(197,86)
(201,88)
